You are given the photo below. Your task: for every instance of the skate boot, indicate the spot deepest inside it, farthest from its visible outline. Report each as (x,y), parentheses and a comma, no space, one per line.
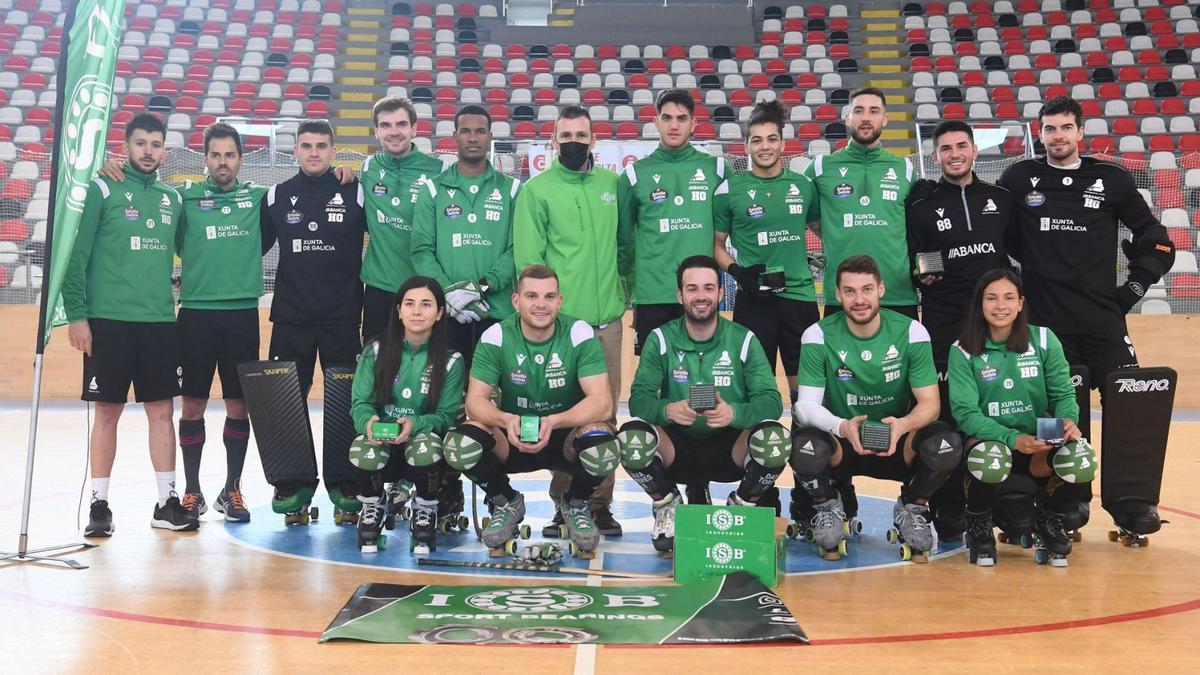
(827,529)
(850,506)
(100,522)
(232,505)
(580,528)
(662,534)
(424,526)
(1053,542)
(606,523)
(981,545)
(1134,519)
(503,527)
(912,531)
(1013,514)
(698,494)
(398,495)
(950,521)
(801,512)
(371,538)
(1074,517)
(345,506)
(770,499)
(195,505)
(450,509)
(294,504)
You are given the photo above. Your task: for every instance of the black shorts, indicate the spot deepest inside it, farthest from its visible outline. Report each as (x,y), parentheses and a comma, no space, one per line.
(778,323)
(131,352)
(377,309)
(1102,353)
(891,467)
(943,330)
(907,310)
(337,346)
(705,459)
(553,456)
(215,338)
(648,317)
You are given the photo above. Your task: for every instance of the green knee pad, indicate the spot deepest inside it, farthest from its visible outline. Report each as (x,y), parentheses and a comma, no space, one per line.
(989,462)
(599,453)
(770,445)
(423,449)
(639,444)
(461,451)
(1075,462)
(369,456)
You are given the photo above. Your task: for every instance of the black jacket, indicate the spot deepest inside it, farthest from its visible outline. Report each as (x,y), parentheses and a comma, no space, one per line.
(1066,240)
(967,225)
(319,224)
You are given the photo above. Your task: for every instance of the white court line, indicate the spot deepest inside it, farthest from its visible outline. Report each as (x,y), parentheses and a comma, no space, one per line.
(585,655)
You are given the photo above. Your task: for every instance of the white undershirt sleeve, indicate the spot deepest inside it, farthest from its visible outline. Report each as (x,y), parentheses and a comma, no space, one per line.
(810,411)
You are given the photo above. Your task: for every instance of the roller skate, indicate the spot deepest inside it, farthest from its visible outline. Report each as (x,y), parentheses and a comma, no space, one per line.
(827,529)
(503,527)
(662,534)
(345,508)
(850,506)
(764,501)
(1134,519)
(1074,517)
(912,531)
(800,513)
(698,494)
(450,502)
(1053,543)
(981,545)
(1014,516)
(398,495)
(424,526)
(371,538)
(580,528)
(294,504)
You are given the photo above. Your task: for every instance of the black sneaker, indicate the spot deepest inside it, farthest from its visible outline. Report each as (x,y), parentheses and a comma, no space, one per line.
(195,505)
(99,520)
(605,522)
(551,530)
(172,516)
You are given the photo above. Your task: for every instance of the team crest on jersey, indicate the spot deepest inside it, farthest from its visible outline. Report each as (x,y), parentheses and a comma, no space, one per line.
(680,375)
(495,196)
(724,361)
(166,201)
(1035,199)
(699,176)
(890,175)
(990,207)
(793,191)
(892,353)
(207,204)
(555,362)
(132,213)
(292,217)
(336,200)
(453,211)
(518,377)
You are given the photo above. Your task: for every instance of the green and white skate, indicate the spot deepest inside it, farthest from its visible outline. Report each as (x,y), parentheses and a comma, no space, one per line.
(399,494)
(579,526)
(345,508)
(503,527)
(295,506)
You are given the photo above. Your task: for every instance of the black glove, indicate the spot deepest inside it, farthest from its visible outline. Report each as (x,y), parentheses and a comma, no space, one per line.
(747,278)
(1129,293)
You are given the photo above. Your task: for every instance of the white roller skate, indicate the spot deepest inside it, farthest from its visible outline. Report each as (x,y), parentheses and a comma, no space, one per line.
(580,528)
(503,527)
(912,531)
(371,538)
(424,526)
(828,529)
(662,535)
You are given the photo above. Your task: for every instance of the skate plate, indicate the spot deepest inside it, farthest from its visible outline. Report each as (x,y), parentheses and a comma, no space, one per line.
(907,552)
(1129,539)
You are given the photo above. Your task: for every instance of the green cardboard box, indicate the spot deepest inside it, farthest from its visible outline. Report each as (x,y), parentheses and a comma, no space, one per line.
(717,540)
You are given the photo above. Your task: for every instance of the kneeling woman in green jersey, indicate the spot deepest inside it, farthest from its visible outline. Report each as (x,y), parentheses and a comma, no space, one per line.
(407,392)
(1006,375)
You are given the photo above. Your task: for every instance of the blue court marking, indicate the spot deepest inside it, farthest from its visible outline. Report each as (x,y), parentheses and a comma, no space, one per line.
(632,552)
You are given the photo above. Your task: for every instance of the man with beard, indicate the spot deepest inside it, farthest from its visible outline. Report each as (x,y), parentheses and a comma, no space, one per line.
(117,296)
(860,370)
(1069,208)
(392,181)
(705,406)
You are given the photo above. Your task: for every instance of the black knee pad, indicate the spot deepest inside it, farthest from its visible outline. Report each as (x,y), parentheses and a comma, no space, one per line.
(812,450)
(939,447)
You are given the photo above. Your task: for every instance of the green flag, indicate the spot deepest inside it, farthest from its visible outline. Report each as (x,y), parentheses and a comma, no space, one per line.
(85,96)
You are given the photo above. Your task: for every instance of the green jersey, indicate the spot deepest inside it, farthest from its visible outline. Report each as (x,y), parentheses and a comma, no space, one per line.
(538,378)
(562,218)
(390,189)
(220,243)
(765,219)
(872,376)
(860,205)
(462,231)
(124,252)
(410,392)
(666,214)
(999,394)
(732,360)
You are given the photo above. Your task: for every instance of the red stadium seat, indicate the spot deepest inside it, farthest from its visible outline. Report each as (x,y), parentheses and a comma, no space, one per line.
(14,230)
(499,112)
(705,131)
(188,104)
(525,130)
(954,111)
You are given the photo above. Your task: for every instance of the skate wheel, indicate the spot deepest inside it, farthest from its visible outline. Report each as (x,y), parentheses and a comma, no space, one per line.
(906,552)
(524,532)
(406,513)
(1041,556)
(893,536)
(463,523)
(856,526)
(389,523)
(510,546)
(841,548)
(810,535)
(1026,541)
(338,519)
(563,533)
(573,549)
(1113,535)
(484,523)
(382,541)
(444,526)
(1076,536)
(313,513)
(793,530)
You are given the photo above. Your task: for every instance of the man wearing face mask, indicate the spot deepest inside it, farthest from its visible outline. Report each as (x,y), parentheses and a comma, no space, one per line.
(565,216)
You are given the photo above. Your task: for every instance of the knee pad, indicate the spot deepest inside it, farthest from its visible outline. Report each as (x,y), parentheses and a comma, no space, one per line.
(989,462)
(939,447)
(639,444)
(768,443)
(1075,462)
(812,449)
(464,446)
(369,456)
(598,452)
(423,450)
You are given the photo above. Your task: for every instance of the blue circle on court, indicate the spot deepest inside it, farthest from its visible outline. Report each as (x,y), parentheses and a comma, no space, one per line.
(632,552)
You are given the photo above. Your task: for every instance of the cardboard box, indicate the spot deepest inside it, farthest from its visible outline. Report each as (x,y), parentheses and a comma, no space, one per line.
(718,540)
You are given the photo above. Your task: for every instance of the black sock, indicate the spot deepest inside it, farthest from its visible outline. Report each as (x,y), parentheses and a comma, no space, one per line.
(237,438)
(191,442)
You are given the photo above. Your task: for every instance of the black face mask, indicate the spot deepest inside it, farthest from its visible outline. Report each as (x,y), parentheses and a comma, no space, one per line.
(573,155)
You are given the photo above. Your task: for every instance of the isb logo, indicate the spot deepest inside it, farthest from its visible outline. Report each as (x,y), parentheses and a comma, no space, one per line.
(722,553)
(723,519)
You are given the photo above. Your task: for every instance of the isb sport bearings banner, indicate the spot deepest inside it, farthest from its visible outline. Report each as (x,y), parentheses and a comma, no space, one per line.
(736,608)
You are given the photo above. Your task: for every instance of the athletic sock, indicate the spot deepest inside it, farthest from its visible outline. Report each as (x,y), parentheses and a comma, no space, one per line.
(100,489)
(237,437)
(166,485)
(191,442)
